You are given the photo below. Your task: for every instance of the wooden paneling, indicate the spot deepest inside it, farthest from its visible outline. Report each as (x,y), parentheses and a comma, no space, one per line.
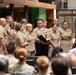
(26,12)
(11,10)
(21,2)
(27,3)
(66,15)
(30,3)
(1,1)
(41,5)
(49,17)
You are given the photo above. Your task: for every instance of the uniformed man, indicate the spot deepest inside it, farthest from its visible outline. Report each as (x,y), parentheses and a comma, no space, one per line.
(24,22)
(38,31)
(3,36)
(9,20)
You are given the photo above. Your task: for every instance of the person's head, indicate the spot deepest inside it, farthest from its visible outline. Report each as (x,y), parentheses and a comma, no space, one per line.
(56,51)
(59,66)
(45,24)
(3,22)
(56,21)
(13,25)
(3,63)
(19,26)
(42,63)
(11,47)
(65,25)
(23,20)
(40,23)
(9,19)
(54,27)
(29,27)
(21,54)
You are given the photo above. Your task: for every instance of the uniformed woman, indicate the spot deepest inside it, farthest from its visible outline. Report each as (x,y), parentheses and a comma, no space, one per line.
(20,37)
(66,37)
(31,40)
(54,37)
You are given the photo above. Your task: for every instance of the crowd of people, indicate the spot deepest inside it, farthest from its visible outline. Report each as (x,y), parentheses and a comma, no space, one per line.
(18,40)
(23,35)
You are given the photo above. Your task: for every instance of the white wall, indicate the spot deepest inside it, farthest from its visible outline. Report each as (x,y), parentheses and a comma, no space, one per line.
(71,4)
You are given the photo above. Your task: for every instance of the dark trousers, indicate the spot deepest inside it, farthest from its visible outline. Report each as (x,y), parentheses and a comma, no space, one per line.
(41,49)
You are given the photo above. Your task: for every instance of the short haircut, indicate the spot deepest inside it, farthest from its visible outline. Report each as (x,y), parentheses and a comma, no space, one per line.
(40,20)
(3,63)
(11,47)
(7,17)
(60,66)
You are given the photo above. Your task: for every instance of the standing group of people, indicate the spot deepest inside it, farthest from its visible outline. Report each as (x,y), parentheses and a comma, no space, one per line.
(60,37)
(23,34)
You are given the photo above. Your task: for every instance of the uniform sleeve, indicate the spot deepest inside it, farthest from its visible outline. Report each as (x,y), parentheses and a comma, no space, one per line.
(44,33)
(1,35)
(60,30)
(21,40)
(35,32)
(9,31)
(48,35)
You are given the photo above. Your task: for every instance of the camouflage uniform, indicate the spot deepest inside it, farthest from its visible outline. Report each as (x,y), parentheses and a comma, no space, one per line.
(21,68)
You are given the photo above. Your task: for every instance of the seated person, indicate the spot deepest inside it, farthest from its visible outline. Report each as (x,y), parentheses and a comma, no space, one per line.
(21,66)
(3,65)
(58,51)
(43,66)
(60,66)
(72,59)
(11,49)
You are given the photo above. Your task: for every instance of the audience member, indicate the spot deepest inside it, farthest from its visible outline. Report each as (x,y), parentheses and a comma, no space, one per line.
(58,51)
(72,59)
(3,65)
(11,50)
(21,66)
(43,66)
(60,66)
